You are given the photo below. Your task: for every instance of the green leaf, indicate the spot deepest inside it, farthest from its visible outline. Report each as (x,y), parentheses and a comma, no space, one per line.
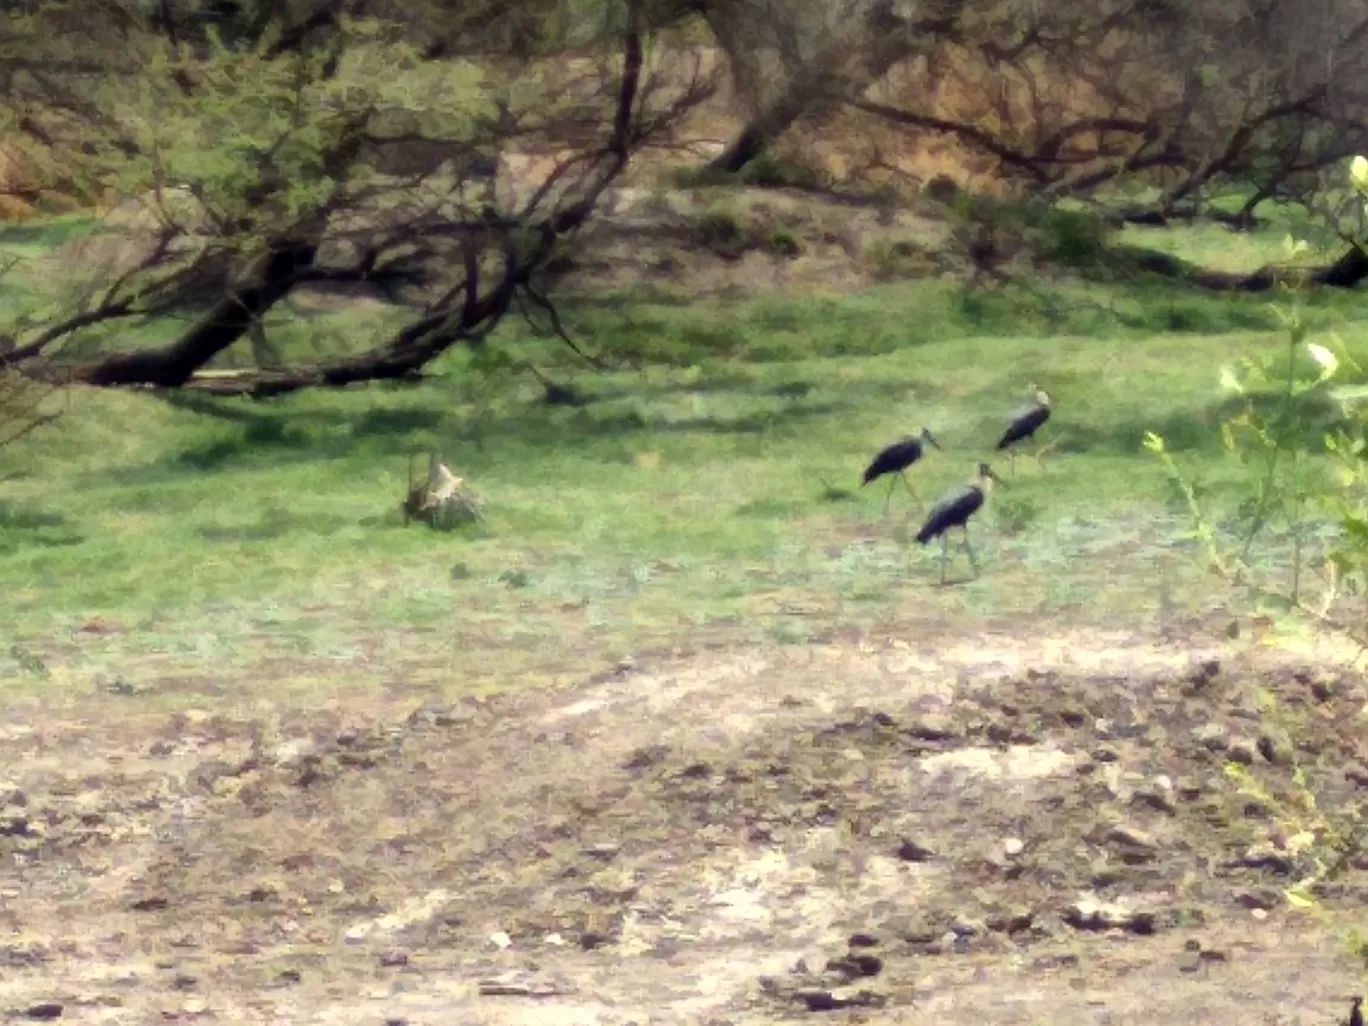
(1327,360)
(1299,899)
(1358,173)
(1355,526)
(1350,395)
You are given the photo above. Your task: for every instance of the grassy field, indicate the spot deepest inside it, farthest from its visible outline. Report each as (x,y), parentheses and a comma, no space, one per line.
(216,635)
(706,490)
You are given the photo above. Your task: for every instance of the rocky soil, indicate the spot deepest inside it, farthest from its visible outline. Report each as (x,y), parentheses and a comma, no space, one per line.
(1015,828)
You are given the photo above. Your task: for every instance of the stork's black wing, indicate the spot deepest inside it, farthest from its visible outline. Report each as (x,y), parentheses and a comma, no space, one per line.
(1024,425)
(898,456)
(952,511)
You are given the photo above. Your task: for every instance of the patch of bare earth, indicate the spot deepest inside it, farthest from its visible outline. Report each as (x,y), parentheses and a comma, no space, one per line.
(1001,828)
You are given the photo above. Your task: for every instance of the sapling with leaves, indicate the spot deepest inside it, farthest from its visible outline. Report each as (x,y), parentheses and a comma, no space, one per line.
(1321,833)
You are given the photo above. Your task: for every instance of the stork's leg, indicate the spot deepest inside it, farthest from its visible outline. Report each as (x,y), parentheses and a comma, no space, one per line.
(888,498)
(908,485)
(1042,450)
(973,560)
(945,553)
(1011,461)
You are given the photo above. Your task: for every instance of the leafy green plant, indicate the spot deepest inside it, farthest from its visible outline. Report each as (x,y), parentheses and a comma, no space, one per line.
(1273,432)
(1274,401)
(724,233)
(783,243)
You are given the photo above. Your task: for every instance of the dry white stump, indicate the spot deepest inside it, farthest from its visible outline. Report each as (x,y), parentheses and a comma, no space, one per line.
(443,501)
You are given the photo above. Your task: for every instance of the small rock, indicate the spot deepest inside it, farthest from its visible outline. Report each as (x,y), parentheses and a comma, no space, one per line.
(1155,798)
(210,772)
(1090,914)
(292,754)
(46,1010)
(19,826)
(1264,855)
(863,940)
(1156,736)
(1242,751)
(519,984)
(603,851)
(500,940)
(965,926)
(1204,673)
(1212,737)
(591,939)
(1046,963)
(1256,899)
(1276,747)
(947,941)
(911,851)
(1073,716)
(856,964)
(555,940)
(123,688)
(830,999)
(932,727)
(1013,846)
(1256,809)
(394,959)
(1134,845)
(1011,921)
(645,758)
(918,928)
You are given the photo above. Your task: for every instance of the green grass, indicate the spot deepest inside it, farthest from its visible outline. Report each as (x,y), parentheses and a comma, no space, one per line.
(707,490)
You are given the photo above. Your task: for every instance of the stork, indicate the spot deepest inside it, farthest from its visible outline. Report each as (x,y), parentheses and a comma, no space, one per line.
(895,459)
(954,510)
(1026,422)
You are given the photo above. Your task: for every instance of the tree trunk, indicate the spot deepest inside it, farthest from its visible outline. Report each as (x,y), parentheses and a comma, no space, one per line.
(222,325)
(763,129)
(1345,273)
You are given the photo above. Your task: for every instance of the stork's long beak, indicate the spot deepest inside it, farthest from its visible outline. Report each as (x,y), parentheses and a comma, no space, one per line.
(927,435)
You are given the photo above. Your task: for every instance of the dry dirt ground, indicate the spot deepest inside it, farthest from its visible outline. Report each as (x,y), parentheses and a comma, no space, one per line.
(1027,826)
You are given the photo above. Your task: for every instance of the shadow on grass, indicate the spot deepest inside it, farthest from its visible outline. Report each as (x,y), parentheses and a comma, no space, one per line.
(274,523)
(287,436)
(47,234)
(1102,300)
(257,437)
(1199,431)
(24,526)
(744,386)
